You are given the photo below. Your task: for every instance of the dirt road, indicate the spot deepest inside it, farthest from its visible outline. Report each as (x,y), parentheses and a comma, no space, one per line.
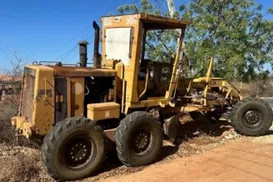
(242,160)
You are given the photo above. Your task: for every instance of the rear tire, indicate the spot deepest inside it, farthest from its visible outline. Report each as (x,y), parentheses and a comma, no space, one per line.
(251,116)
(139,139)
(73,149)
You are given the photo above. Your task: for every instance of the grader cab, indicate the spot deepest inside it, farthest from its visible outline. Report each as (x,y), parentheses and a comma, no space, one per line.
(125,98)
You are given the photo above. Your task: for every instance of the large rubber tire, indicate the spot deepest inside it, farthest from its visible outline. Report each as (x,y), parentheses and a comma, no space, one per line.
(261,119)
(126,137)
(59,143)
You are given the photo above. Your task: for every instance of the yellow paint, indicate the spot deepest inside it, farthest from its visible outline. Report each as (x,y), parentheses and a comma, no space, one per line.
(76,98)
(128,91)
(136,22)
(103,110)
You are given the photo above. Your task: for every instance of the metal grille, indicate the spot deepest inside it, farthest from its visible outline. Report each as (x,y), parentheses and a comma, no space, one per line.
(28,96)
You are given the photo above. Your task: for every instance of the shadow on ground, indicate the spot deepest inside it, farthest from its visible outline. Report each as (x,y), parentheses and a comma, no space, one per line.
(196,126)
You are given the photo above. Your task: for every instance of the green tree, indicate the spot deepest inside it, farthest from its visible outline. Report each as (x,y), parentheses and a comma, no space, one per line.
(235,32)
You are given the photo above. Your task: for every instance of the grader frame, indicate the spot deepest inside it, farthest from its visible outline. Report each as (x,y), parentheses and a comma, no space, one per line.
(79,108)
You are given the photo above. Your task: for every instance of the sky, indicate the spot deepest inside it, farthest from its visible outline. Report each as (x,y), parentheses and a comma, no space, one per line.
(49,30)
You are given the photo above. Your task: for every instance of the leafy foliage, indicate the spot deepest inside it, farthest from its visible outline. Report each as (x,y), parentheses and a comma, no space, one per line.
(234,32)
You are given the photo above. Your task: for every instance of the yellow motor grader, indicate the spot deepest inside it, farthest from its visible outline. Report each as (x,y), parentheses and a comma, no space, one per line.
(124,98)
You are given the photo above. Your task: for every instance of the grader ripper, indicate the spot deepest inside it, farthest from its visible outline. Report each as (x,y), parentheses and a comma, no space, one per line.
(125,98)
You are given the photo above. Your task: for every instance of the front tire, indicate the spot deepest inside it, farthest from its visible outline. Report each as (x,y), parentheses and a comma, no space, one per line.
(139,139)
(251,116)
(73,149)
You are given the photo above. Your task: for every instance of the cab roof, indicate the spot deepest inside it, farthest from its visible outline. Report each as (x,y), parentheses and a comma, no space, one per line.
(156,22)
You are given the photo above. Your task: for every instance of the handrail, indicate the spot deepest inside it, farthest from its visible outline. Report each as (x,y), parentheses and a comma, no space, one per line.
(146,82)
(123,100)
(40,62)
(45,89)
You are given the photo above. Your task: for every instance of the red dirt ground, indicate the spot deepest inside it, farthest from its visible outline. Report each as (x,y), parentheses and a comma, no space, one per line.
(240,161)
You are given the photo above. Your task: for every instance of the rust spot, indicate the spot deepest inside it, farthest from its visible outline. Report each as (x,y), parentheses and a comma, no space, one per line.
(76,107)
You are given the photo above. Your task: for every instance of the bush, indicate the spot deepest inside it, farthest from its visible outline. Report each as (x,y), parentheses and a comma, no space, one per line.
(260,88)
(7,110)
(7,133)
(22,164)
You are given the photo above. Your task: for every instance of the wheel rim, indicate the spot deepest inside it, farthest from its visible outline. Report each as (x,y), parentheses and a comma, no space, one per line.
(252,118)
(142,142)
(78,152)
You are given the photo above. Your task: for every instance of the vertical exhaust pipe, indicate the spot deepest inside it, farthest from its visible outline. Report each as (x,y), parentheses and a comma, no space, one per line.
(83,53)
(96,56)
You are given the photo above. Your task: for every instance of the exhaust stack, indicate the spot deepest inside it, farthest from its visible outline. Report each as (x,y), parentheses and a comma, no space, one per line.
(97,56)
(83,53)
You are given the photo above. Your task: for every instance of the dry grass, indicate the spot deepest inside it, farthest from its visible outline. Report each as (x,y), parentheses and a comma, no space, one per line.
(19,159)
(9,107)
(7,133)
(260,88)
(22,164)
